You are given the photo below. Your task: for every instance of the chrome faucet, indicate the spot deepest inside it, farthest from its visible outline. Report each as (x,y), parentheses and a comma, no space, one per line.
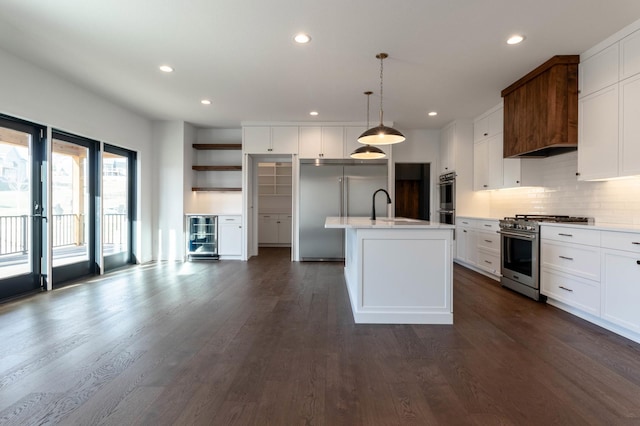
(373,202)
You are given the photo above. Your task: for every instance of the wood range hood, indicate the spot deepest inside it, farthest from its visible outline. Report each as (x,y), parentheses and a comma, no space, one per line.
(541,110)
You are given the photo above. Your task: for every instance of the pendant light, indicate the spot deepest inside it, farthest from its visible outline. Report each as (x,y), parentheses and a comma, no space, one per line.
(368,152)
(381,134)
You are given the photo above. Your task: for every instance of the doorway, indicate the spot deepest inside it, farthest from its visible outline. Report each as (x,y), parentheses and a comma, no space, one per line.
(412,190)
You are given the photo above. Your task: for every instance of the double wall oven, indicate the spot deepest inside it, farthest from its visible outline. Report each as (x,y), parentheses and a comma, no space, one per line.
(520,248)
(447,190)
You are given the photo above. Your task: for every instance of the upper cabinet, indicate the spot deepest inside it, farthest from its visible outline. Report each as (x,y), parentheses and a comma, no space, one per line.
(321,142)
(453,137)
(541,110)
(270,140)
(609,107)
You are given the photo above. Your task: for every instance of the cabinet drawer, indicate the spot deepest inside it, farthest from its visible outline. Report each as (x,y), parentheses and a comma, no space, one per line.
(589,237)
(489,241)
(466,222)
(487,225)
(583,261)
(627,241)
(229,219)
(489,262)
(573,291)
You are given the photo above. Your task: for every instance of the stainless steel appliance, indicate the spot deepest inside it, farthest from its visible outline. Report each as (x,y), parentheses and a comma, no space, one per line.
(447,190)
(336,188)
(520,248)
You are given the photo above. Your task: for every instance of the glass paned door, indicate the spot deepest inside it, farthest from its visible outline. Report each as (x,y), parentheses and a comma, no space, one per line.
(118,177)
(21,207)
(73,179)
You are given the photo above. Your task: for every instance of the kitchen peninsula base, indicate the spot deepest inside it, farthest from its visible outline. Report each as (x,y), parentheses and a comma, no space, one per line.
(398,271)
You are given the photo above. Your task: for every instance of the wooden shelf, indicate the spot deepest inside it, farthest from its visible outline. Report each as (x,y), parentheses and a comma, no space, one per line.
(217,146)
(216,168)
(208,189)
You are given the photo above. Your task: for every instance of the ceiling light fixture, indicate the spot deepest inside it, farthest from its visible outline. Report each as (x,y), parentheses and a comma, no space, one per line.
(433,113)
(302,38)
(205,102)
(368,152)
(314,113)
(381,134)
(515,39)
(166,68)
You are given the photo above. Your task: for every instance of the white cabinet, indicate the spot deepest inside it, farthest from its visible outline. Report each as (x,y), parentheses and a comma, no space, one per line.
(478,244)
(518,172)
(321,142)
(270,140)
(230,236)
(274,229)
(275,179)
(629,115)
(621,288)
(488,163)
(454,138)
(630,55)
(598,134)
(598,71)
(488,124)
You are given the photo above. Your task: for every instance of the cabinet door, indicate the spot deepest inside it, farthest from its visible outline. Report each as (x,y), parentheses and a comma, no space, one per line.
(351,135)
(630,55)
(284,140)
(480,129)
(621,288)
(284,229)
(598,134)
(446,149)
(495,122)
(332,142)
(472,246)
(599,71)
(630,127)
(268,229)
(256,140)
(495,161)
(462,235)
(230,239)
(310,144)
(481,166)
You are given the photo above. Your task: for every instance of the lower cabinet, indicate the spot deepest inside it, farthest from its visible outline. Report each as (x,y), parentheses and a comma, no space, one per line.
(230,236)
(621,288)
(478,244)
(274,229)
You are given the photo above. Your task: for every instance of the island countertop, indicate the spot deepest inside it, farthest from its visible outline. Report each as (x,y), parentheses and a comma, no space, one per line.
(383,222)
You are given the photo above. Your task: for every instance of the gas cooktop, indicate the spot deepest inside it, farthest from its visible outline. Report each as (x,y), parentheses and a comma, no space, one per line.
(530,222)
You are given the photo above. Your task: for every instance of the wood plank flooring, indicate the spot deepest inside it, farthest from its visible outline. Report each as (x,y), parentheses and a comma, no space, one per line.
(270,342)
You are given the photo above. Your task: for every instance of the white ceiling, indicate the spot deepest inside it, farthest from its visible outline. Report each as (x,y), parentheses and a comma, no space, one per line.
(445,55)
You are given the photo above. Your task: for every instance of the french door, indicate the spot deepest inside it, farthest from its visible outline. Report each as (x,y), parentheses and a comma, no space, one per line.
(74,164)
(118,206)
(22,219)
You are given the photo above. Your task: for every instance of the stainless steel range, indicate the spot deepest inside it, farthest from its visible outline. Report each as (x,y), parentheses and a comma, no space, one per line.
(520,248)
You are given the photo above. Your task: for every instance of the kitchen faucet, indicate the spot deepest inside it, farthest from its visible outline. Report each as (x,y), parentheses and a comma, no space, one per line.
(373,202)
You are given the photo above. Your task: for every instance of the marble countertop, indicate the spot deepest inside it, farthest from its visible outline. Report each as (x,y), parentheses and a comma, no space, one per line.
(383,222)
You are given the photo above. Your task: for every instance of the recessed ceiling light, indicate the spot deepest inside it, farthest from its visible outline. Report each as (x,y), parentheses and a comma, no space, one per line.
(314,113)
(302,38)
(515,39)
(205,102)
(166,68)
(433,114)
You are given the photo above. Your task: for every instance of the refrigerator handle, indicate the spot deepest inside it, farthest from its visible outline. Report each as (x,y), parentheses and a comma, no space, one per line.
(346,195)
(341,213)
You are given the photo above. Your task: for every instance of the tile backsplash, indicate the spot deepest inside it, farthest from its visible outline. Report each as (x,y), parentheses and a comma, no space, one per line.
(609,202)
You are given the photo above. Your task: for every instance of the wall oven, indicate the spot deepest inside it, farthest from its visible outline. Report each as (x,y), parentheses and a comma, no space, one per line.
(447,193)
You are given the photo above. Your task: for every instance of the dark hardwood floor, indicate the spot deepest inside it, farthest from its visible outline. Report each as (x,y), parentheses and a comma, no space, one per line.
(270,342)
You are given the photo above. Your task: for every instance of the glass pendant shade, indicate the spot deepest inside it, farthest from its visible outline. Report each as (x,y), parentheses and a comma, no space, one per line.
(368,152)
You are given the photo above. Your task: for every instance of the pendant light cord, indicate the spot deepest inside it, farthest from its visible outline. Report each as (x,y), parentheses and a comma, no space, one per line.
(382,56)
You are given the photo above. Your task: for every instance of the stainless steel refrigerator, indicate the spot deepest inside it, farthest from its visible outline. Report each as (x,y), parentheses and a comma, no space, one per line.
(336,188)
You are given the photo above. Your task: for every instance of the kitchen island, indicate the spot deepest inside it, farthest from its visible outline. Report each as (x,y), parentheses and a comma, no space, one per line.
(398,271)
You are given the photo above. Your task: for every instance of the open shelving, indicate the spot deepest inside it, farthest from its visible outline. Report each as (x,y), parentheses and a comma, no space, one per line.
(222,169)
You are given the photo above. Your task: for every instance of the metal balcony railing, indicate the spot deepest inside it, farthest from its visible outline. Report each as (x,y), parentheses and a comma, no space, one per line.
(68,229)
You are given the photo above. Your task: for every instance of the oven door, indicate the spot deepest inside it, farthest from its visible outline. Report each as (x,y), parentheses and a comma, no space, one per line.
(520,258)
(447,195)
(447,216)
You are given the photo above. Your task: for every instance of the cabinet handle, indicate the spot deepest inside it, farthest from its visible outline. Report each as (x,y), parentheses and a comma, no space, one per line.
(486,261)
(278,222)
(486,134)
(638,262)
(565,257)
(488,226)
(577,173)
(566,289)
(229,219)
(269,149)
(466,223)
(517,181)
(488,241)
(565,235)
(464,230)
(484,186)
(636,243)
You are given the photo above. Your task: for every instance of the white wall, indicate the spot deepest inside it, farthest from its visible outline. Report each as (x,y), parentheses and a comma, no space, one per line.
(30,93)
(614,202)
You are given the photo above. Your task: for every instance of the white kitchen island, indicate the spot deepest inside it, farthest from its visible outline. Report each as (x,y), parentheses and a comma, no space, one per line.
(398,271)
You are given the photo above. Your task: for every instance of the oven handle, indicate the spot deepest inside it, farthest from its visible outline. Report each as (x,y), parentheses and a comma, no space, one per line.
(521,236)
